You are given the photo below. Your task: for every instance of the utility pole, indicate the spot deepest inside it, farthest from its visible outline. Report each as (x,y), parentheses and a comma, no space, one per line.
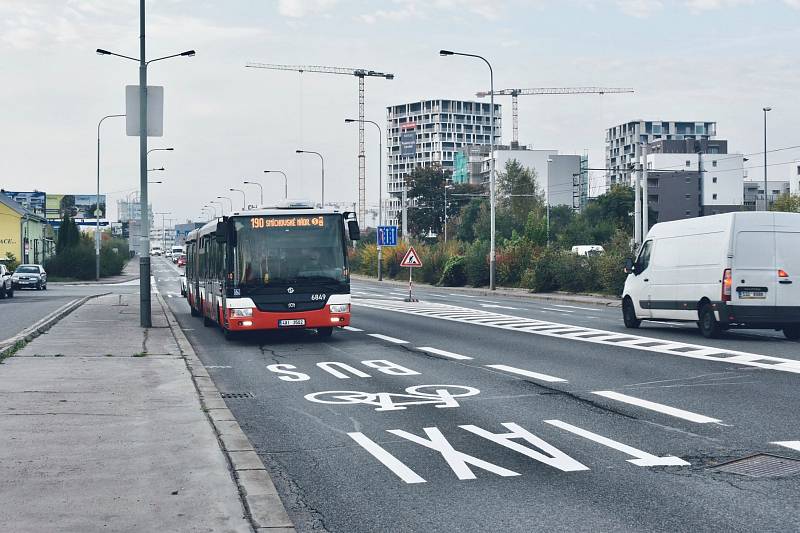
(637,188)
(145,320)
(766,198)
(404,200)
(645,193)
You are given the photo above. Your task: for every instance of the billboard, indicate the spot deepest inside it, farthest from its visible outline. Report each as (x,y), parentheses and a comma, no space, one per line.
(32,201)
(77,205)
(408,139)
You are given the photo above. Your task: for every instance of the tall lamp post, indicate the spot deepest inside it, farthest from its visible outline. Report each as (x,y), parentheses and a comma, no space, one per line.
(492,250)
(766,201)
(145,318)
(163,230)
(221,207)
(97,204)
(285,181)
(380,188)
(244,198)
(226,198)
(260,190)
(211,208)
(322,162)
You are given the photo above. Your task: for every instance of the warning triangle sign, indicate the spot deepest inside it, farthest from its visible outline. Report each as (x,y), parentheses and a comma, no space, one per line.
(411,259)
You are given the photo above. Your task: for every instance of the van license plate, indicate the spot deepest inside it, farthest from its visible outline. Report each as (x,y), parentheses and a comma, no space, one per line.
(292,322)
(752,295)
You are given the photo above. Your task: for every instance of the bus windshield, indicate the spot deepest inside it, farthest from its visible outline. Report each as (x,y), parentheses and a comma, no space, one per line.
(280,250)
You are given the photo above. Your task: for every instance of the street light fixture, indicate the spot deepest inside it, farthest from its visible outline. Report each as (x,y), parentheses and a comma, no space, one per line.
(380,189)
(244,198)
(285,181)
(766,201)
(492,198)
(221,207)
(160,149)
(145,318)
(97,204)
(213,208)
(260,188)
(155,182)
(322,162)
(156,169)
(227,198)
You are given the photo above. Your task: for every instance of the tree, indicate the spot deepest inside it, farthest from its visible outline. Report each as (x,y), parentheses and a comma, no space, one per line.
(518,191)
(69,235)
(788,203)
(427,193)
(615,206)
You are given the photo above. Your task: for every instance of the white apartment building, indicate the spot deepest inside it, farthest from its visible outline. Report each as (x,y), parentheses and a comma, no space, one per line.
(429,133)
(794,178)
(624,140)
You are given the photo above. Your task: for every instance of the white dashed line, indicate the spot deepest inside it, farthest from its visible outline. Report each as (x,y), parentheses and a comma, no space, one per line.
(528,373)
(791,444)
(387,338)
(576,307)
(444,353)
(463,295)
(557,310)
(351,328)
(661,408)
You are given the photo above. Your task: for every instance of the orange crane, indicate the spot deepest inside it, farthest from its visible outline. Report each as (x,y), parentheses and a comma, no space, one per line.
(514,93)
(361,74)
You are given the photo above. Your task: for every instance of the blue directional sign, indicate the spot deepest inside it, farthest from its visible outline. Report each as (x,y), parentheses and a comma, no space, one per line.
(387,235)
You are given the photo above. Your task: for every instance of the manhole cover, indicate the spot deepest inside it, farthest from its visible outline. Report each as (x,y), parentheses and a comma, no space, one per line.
(761,465)
(237,395)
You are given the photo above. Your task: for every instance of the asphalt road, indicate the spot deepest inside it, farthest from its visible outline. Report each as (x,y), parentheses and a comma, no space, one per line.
(524,416)
(29,305)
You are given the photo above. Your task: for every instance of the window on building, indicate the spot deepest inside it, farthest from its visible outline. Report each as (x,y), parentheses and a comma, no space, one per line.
(688,196)
(714,196)
(713,180)
(688,163)
(714,163)
(688,213)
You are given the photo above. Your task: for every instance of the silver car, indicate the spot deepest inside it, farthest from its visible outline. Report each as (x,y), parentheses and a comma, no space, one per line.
(30,277)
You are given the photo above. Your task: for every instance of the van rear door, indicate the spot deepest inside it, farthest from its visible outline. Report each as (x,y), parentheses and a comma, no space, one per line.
(787,248)
(754,270)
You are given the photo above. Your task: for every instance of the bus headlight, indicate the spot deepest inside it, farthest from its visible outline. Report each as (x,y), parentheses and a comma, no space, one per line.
(240,313)
(340,308)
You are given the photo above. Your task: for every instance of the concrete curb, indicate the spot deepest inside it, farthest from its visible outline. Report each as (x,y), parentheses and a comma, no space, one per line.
(33,331)
(508,292)
(262,504)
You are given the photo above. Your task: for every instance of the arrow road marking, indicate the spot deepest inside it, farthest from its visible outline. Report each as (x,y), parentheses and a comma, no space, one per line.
(661,408)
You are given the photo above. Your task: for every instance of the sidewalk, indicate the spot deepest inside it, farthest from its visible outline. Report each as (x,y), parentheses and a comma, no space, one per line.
(102,429)
(589,299)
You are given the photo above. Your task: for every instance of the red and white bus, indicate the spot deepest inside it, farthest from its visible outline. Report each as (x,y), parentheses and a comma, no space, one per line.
(274,268)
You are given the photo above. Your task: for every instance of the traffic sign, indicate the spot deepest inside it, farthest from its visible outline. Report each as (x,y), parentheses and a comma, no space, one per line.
(387,235)
(411,259)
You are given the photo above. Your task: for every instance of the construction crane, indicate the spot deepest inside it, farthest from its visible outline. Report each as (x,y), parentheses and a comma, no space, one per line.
(514,93)
(361,74)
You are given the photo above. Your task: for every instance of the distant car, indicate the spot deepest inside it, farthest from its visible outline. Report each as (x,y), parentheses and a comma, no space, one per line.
(183,284)
(181,261)
(6,286)
(30,276)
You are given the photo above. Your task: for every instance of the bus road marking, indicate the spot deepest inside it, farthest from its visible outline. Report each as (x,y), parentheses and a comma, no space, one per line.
(443,353)
(661,408)
(528,373)
(387,338)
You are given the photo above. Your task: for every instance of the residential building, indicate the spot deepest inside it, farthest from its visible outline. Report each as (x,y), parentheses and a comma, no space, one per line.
(624,140)
(429,133)
(23,233)
(794,178)
(754,192)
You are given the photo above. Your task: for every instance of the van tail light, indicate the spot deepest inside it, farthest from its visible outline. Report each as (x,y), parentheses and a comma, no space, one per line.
(783,274)
(727,283)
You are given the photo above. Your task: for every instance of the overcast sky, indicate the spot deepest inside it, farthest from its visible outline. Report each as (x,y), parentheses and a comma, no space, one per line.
(695,60)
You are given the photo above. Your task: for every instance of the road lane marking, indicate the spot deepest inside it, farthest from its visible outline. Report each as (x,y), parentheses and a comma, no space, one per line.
(641,458)
(443,353)
(556,310)
(351,328)
(791,444)
(576,307)
(462,295)
(388,460)
(528,373)
(653,406)
(454,313)
(387,338)
(495,306)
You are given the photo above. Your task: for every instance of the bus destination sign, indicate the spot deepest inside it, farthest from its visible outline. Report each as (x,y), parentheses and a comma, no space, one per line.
(287,222)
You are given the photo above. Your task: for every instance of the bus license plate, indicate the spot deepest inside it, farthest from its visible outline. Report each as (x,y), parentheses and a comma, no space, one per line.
(292,322)
(752,295)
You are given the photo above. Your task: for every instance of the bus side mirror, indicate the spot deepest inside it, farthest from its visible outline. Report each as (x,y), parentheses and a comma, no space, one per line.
(352,228)
(221,235)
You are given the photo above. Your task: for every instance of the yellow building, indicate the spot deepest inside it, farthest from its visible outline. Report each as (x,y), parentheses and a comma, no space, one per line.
(26,235)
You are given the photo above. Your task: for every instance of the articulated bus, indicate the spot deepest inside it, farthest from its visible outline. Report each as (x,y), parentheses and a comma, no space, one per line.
(274,268)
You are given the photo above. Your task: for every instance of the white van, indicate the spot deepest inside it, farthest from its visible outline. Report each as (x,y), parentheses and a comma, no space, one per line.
(737,270)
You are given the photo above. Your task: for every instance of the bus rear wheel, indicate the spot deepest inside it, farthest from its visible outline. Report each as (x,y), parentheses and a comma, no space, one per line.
(324,332)
(792,332)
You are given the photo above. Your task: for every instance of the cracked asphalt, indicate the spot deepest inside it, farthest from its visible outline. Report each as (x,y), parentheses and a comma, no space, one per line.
(516,431)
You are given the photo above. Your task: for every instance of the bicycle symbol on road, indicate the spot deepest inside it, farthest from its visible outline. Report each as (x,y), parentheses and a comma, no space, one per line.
(439,395)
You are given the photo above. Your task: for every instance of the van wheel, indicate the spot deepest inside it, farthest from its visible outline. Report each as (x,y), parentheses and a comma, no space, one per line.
(324,332)
(792,332)
(708,324)
(629,315)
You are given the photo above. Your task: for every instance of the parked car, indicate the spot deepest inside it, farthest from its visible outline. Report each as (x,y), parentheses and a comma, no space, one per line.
(30,276)
(6,286)
(736,270)
(181,261)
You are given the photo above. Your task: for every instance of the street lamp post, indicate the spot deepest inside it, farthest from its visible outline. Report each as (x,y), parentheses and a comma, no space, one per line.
(766,201)
(285,181)
(163,230)
(97,204)
(547,200)
(446,186)
(221,207)
(229,200)
(380,189)
(244,198)
(492,200)
(211,208)
(322,162)
(145,318)
(260,190)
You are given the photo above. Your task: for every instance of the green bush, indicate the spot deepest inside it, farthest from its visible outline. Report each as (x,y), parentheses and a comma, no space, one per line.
(455,272)
(78,261)
(476,257)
